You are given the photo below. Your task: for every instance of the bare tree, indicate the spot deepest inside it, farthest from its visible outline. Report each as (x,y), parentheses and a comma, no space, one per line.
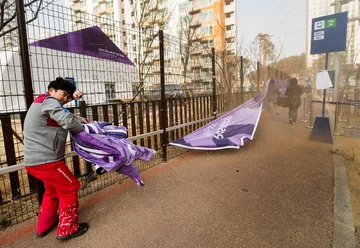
(263,50)
(8,13)
(348,66)
(186,34)
(226,61)
(149,16)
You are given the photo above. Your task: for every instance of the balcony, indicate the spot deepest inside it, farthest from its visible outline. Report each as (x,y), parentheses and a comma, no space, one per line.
(195,25)
(195,39)
(195,10)
(196,66)
(196,52)
(196,79)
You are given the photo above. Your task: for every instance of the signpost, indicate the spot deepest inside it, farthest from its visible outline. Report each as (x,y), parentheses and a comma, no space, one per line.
(328,35)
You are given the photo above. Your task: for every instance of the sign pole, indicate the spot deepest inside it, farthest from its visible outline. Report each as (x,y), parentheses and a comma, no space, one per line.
(324,97)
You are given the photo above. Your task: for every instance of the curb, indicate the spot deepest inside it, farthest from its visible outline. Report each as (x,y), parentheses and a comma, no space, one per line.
(343,231)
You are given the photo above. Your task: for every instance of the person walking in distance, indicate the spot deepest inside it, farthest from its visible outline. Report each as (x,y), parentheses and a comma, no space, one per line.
(45,131)
(272,95)
(293,92)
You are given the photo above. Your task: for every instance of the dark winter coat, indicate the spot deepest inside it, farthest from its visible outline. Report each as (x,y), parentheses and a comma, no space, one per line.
(293,92)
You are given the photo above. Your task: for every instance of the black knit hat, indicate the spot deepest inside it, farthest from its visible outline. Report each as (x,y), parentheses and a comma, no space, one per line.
(62,84)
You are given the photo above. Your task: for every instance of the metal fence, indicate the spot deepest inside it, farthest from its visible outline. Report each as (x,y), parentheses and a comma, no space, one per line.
(116,87)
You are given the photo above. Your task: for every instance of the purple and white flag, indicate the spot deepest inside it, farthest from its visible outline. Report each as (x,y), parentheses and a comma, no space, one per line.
(89,41)
(231,130)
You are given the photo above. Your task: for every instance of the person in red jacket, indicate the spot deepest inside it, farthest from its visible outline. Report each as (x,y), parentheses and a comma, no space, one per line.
(45,131)
(293,92)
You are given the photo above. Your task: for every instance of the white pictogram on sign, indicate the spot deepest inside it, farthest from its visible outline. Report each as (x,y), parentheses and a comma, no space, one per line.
(319,25)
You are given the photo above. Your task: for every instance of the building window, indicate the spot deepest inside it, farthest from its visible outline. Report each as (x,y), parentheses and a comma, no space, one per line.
(122,11)
(110,91)
(204,3)
(230,27)
(206,15)
(206,29)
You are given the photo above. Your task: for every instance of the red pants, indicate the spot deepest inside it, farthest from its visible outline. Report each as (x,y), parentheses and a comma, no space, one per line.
(61,186)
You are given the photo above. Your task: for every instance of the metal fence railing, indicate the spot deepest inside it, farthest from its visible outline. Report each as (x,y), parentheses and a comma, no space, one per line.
(130,76)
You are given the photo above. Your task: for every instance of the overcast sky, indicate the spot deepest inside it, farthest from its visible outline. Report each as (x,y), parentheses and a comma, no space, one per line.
(284,19)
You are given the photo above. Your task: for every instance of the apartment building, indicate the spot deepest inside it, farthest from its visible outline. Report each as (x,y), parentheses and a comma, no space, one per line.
(214,23)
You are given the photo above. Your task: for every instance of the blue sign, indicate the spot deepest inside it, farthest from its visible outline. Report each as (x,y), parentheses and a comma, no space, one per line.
(328,33)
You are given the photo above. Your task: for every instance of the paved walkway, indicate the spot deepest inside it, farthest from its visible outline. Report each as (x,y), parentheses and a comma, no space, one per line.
(276,191)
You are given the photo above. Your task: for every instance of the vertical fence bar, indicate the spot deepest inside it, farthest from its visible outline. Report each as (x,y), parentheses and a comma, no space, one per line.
(105,113)
(75,159)
(82,108)
(115,114)
(163,104)
(193,113)
(124,115)
(133,121)
(171,118)
(311,115)
(141,121)
(242,79)
(214,104)
(154,115)
(10,154)
(95,113)
(336,118)
(24,52)
(26,71)
(348,115)
(186,111)
(258,76)
(148,130)
(176,121)
(182,116)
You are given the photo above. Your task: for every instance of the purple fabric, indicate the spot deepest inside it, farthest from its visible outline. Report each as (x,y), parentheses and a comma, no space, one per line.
(231,130)
(89,41)
(101,144)
(282,85)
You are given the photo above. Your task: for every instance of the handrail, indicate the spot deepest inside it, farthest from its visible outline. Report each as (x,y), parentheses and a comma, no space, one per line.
(17,167)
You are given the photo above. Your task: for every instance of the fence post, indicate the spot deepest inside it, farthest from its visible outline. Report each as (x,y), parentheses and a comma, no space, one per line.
(214,102)
(348,114)
(242,79)
(163,104)
(24,52)
(311,115)
(336,119)
(304,110)
(82,108)
(356,91)
(258,76)
(26,71)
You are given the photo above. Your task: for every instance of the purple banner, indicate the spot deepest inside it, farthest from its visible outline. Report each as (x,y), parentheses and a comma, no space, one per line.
(89,41)
(231,130)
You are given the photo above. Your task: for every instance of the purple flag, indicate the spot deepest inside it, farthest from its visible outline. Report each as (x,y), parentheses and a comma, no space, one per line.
(89,41)
(231,130)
